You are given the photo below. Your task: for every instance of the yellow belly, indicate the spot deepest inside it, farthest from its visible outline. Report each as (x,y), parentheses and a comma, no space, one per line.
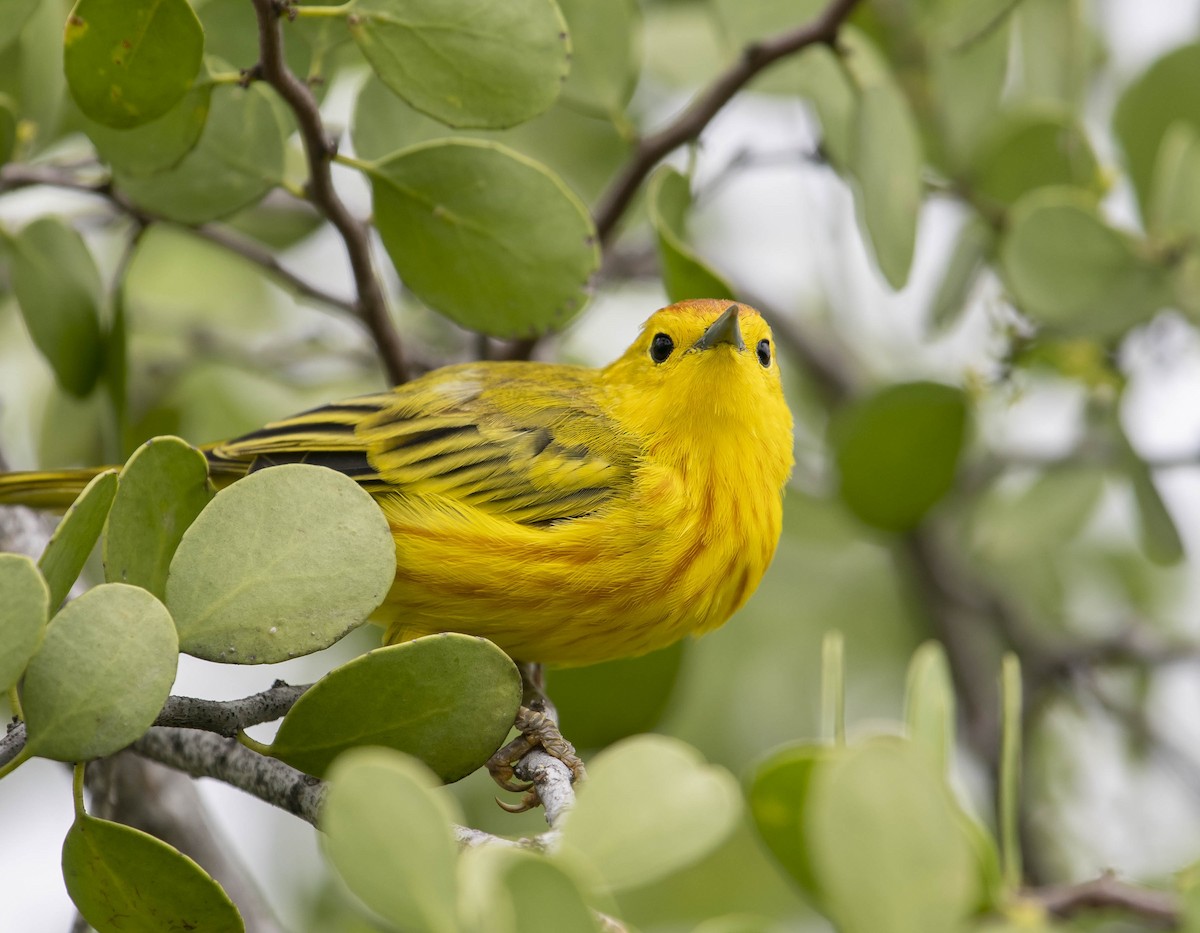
(618,583)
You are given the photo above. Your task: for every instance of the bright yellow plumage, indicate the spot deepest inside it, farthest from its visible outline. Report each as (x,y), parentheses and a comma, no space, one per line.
(570,515)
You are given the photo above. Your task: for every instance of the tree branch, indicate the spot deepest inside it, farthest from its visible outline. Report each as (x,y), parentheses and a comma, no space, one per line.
(1160,908)
(203,754)
(229,717)
(689,124)
(16,176)
(371,307)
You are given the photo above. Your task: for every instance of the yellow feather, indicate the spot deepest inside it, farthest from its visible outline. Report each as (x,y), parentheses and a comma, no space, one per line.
(569,514)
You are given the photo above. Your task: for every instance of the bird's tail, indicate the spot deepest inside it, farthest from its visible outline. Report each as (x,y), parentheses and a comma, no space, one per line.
(46,489)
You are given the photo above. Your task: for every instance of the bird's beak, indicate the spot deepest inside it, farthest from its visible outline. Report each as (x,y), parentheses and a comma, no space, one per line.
(723,330)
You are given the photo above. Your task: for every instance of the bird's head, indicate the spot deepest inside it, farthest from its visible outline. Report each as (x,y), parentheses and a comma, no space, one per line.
(706,369)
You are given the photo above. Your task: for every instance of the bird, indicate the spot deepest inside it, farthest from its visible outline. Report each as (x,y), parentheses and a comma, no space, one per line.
(569,514)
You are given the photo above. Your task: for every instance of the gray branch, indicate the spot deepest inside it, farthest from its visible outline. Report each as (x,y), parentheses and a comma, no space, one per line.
(203,754)
(229,717)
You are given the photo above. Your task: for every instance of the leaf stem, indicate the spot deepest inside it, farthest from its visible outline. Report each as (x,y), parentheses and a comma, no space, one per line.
(253,744)
(14,701)
(341,10)
(1010,770)
(833,687)
(350,161)
(77,788)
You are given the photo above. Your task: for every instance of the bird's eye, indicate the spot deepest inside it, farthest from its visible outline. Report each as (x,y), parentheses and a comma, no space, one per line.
(661,347)
(764,352)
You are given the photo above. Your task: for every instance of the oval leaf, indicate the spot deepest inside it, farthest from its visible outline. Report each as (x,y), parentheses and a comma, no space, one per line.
(75,536)
(898,450)
(484,235)
(463,62)
(510,890)
(881,820)
(447,699)
(238,159)
(683,809)
(58,288)
(102,674)
(929,704)
(886,161)
(388,833)
(1068,269)
(684,274)
(779,798)
(124,880)
(282,563)
(13,16)
(974,244)
(160,491)
(129,61)
(23,614)
(1168,92)
(605,57)
(158,145)
(1033,149)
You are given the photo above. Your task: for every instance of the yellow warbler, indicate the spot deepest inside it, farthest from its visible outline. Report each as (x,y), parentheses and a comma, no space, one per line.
(569,514)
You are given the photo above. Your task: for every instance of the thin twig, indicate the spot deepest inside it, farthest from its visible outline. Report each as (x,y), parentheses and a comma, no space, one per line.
(16,176)
(371,306)
(229,717)
(756,56)
(1108,892)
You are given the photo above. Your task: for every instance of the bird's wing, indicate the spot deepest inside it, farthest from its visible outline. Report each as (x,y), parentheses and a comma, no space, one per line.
(527,442)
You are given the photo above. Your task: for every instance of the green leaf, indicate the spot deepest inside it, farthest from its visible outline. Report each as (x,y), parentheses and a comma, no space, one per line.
(1056,53)
(897,451)
(1174,208)
(1069,270)
(282,563)
(125,881)
(31,74)
(160,492)
(881,820)
(23,614)
(968,64)
(489,238)
(1160,535)
(779,800)
(8,130)
(447,699)
(684,274)
(602,703)
(1166,93)
(974,245)
(58,287)
(584,151)
(509,890)
(75,536)
(1031,149)
(605,57)
(929,704)
(129,61)
(388,833)
(13,16)
(463,62)
(238,159)
(159,144)
(829,91)
(102,674)
(1052,511)
(886,162)
(683,810)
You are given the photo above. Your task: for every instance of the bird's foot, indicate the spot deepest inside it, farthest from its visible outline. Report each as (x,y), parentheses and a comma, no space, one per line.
(537,730)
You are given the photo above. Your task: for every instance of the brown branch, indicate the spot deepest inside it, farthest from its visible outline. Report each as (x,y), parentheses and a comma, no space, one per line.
(1160,908)
(371,307)
(15,176)
(688,125)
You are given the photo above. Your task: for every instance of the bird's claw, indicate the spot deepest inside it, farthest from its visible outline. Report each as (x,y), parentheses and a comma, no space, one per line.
(537,730)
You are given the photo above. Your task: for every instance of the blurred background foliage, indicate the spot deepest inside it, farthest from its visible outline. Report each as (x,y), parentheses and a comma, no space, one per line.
(973,226)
